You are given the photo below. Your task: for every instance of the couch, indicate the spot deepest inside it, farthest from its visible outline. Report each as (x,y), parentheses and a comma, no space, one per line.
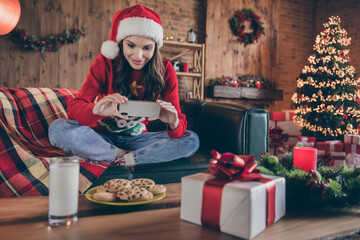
(25,150)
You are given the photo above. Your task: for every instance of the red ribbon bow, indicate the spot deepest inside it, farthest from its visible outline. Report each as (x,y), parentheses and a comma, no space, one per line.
(277,137)
(227,167)
(327,158)
(230,166)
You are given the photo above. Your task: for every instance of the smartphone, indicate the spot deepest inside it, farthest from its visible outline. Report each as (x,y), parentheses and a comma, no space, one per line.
(139,109)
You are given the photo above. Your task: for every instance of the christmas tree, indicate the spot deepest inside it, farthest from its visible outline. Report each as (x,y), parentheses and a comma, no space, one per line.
(326,101)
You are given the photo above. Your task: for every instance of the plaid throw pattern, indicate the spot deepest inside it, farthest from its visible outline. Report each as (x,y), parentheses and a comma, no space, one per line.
(25,150)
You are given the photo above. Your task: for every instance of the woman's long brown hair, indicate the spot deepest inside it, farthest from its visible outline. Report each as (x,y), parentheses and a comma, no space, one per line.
(153,75)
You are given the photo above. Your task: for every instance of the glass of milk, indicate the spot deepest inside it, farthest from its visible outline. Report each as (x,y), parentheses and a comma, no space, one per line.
(63,191)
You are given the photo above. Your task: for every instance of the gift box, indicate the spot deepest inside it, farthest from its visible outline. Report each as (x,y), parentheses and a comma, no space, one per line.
(281,150)
(352,138)
(352,148)
(332,146)
(283,131)
(335,160)
(282,116)
(338,164)
(240,208)
(352,160)
(306,141)
(335,155)
(285,120)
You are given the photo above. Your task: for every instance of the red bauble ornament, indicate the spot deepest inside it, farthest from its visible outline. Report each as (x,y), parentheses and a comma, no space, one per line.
(10,14)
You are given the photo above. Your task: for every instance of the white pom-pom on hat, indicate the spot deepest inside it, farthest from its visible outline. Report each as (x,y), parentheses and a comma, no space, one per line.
(110,49)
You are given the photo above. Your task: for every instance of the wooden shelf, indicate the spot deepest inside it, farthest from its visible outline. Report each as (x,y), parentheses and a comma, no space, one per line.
(219,91)
(198,51)
(185,74)
(175,44)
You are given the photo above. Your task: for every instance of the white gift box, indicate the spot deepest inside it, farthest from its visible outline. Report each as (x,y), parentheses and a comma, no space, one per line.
(291,128)
(338,164)
(243,204)
(352,138)
(339,158)
(335,155)
(353,160)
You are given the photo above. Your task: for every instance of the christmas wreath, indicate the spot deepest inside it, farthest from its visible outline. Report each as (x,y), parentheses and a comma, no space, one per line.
(50,44)
(319,188)
(238,28)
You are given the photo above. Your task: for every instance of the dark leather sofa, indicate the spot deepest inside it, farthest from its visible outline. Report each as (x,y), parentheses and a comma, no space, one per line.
(220,126)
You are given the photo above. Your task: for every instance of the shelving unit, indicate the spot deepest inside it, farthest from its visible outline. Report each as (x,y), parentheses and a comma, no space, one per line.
(198,63)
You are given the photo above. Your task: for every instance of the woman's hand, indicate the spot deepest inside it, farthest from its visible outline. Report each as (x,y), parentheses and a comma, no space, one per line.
(168,114)
(107,106)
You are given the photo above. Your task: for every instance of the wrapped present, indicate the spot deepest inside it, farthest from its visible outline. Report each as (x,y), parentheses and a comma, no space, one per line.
(352,160)
(281,150)
(238,202)
(282,116)
(352,148)
(336,155)
(338,164)
(290,130)
(332,146)
(352,138)
(306,141)
(276,139)
(335,160)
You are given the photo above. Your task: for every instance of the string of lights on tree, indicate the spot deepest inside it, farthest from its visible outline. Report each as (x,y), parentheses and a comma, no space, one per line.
(326,100)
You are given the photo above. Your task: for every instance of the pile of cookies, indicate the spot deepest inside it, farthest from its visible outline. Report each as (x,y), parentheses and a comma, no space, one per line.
(140,189)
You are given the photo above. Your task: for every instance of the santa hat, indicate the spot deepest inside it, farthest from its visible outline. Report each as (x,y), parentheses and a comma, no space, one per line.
(136,20)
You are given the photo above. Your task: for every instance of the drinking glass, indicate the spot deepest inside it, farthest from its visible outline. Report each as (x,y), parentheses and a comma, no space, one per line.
(63,191)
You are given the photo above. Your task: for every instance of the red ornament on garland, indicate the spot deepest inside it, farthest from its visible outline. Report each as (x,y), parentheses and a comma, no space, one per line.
(10,14)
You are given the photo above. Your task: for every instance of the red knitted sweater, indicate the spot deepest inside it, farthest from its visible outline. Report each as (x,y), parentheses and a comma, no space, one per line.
(98,83)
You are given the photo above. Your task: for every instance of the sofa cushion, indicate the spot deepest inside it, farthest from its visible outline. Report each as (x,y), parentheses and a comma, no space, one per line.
(25,151)
(219,128)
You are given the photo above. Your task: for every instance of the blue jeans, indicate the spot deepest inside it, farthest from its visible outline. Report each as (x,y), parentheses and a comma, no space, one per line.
(151,147)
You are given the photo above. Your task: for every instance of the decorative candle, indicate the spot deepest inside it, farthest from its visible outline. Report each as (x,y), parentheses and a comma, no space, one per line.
(258,84)
(305,158)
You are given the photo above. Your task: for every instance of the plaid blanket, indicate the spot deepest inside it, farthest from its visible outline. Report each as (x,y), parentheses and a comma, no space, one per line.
(25,150)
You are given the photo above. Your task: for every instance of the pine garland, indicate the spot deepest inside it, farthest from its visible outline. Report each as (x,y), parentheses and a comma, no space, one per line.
(322,188)
(49,44)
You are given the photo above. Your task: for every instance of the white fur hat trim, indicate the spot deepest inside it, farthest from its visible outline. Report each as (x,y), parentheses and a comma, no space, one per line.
(140,26)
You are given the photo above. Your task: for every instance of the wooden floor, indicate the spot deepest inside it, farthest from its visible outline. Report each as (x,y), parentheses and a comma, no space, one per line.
(26,218)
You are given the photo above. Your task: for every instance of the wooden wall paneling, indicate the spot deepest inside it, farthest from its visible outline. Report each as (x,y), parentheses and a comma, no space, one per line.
(86,56)
(69,67)
(25,64)
(68,55)
(49,61)
(212,32)
(225,55)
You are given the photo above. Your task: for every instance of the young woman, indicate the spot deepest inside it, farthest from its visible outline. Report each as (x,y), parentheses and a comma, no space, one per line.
(129,67)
